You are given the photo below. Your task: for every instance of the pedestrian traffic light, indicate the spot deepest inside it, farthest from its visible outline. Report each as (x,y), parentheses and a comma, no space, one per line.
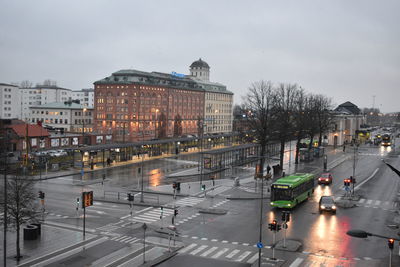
(347,182)
(285,216)
(203,187)
(174,185)
(278,227)
(391,243)
(175,212)
(77,201)
(273,226)
(131,197)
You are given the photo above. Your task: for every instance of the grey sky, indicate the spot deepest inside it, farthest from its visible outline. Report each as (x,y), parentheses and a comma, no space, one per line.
(348,50)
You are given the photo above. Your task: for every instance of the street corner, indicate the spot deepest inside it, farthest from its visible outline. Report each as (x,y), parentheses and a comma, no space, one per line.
(289,245)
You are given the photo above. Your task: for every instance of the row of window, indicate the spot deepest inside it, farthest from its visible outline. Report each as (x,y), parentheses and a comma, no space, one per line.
(50,112)
(7,89)
(51,120)
(7,102)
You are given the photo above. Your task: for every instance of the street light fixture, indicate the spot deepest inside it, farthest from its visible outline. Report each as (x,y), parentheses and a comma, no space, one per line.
(155,125)
(83,125)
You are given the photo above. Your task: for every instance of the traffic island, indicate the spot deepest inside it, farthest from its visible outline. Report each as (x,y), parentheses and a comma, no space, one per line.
(213,211)
(345,203)
(290,245)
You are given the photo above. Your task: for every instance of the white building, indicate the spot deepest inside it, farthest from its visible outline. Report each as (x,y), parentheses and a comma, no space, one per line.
(85,97)
(70,116)
(347,120)
(218,101)
(9,101)
(41,95)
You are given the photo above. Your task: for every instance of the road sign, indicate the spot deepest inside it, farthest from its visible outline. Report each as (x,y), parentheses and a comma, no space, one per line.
(260,245)
(347,189)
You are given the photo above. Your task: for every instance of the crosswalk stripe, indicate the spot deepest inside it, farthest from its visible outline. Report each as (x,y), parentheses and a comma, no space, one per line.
(129,240)
(233,253)
(296,262)
(377,202)
(369,201)
(185,249)
(118,238)
(115,237)
(362,200)
(253,258)
(243,255)
(151,218)
(133,241)
(143,219)
(197,250)
(387,203)
(219,253)
(209,251)
(125,238)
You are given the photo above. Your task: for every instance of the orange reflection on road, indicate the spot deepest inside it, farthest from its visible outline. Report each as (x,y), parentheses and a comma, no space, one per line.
(322,190)
(328,236)
(155,176)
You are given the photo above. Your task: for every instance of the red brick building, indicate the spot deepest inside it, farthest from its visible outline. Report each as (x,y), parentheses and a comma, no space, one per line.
(132,105)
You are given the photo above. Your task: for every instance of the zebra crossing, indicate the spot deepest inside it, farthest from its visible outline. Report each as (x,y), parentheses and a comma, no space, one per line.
(218,190)
(254,189)
(245,255)
(152,215)
(189,201)
(125,239)
(372,203)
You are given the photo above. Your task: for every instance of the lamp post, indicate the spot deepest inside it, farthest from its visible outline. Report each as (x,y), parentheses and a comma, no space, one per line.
(363,234)
(83,125)
(155,125)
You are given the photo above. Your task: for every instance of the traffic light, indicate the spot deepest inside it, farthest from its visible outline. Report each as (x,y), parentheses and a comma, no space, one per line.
(347,182)
(273,226)
(203,187)
(131,197)
(174,185)
(391,243)
(278,227)
(77,201)
(285,216)
(175,212)
(41,195)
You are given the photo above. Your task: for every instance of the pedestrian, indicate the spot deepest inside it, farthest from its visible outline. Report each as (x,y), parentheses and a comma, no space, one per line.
(268,169)
(344,148)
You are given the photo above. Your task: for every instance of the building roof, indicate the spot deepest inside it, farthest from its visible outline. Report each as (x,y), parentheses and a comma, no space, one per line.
(199,64)
(62,105)
(6,84)
(47,87)
(187,82)
(348,108)
(33,130)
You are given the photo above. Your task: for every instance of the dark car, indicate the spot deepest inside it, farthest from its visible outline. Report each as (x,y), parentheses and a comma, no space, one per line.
(325,178)
(327,203)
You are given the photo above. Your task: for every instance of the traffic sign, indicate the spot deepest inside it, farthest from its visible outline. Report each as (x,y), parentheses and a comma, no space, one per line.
(260,245)
(347,188)
(87,199)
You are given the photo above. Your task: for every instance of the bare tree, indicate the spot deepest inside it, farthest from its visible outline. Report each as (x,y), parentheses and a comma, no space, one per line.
(26,84)
(260,101)
(49,82)
(324,117)
(300,119)
(286,95)
(21,207)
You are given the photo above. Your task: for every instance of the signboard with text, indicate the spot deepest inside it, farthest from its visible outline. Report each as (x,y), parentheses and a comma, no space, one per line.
(87,199)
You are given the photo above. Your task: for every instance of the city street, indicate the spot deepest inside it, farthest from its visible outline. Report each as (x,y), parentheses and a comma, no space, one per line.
(220,228)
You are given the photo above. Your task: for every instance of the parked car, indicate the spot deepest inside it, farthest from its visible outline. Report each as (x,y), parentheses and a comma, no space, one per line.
(325,178)
(327,203)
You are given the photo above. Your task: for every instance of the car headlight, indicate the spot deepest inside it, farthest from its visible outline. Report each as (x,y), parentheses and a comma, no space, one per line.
(334,207)
(272,203)
(289,204)
(322,207)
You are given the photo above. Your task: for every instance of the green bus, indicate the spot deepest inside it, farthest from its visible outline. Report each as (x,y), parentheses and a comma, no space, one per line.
(291,190)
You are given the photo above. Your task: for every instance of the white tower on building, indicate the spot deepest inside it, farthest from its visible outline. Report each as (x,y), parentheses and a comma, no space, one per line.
(200,70)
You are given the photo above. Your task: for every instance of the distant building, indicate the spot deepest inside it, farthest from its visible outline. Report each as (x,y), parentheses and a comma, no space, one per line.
(41,95)
(132,104)
(67,116)
(85,97)
(347,120)
(9,101)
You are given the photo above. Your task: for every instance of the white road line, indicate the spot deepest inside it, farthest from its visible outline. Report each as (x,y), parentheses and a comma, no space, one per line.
(377,202)
(296,262)
(253,258)
(214,240)
(219,253)
(209,251)
(124,239)
(361,200)
(125,217)
(233,253)
(118,238)
(366,180)
(245,244)
(149,208)
(224,241)
(243,255)
(186,249)
(197,250)
(369,202)
(387,203)
(235,243)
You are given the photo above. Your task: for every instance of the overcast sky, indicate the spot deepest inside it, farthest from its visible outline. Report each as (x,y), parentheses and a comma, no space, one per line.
(348,50)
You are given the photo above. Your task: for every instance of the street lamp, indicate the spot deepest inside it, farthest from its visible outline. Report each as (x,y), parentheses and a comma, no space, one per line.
(155,125)
(83,125)
(363,234)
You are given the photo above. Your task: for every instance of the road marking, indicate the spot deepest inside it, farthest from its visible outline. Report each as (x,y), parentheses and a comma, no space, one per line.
(219,253)
(361,200)
(296,262)
(377,202)
(369,202)
(139,211)
(186,249)
(366,180)
(233,253)
(224,241)
(209,251)
(253,258)
(197,250)
(245,244)
(243,255)
(204,238)
(235,243)
(214,240)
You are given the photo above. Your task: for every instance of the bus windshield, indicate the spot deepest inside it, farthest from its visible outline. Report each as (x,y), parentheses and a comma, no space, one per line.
(281,194)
